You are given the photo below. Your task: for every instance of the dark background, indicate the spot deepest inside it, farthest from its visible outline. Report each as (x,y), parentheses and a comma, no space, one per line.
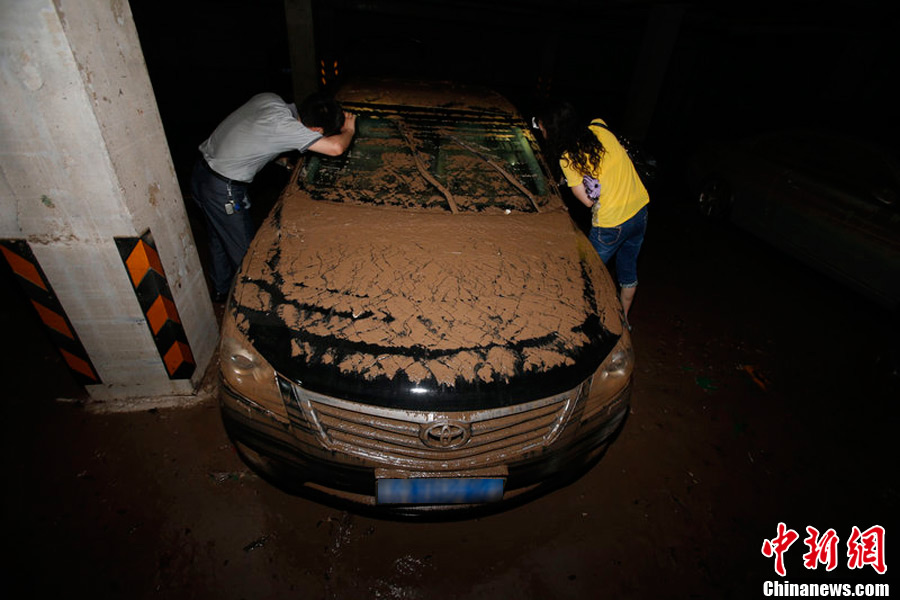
(735,68)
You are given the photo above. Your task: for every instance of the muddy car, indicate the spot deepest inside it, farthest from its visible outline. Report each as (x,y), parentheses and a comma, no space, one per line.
(418,324)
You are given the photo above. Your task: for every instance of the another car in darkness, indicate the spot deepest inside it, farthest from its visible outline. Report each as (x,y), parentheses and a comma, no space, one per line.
(419,325)
(829,200)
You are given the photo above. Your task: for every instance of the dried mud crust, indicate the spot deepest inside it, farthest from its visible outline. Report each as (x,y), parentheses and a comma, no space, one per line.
(376,292)
(432,166)
(429,94)
(399,180)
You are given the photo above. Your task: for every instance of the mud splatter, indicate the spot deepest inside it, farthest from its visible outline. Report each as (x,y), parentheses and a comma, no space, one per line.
(153,191)
(427,94)
(409,569)
(435,253)
(481,298)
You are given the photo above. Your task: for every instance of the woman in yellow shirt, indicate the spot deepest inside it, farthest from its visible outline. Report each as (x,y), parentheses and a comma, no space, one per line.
(601,176)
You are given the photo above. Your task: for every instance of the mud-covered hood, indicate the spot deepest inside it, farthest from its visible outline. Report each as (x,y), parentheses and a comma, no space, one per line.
(413,309)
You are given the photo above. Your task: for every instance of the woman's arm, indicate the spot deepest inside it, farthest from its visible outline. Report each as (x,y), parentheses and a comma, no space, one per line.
(582,196)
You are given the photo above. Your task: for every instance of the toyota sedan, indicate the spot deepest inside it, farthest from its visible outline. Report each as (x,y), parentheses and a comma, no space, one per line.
(419,325)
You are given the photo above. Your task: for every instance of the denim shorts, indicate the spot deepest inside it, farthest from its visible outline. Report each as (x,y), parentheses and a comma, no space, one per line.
(623,242)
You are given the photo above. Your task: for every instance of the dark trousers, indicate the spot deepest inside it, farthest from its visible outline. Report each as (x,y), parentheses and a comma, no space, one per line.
(229,234)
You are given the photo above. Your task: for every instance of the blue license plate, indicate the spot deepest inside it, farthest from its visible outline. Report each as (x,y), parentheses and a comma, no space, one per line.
(439,491)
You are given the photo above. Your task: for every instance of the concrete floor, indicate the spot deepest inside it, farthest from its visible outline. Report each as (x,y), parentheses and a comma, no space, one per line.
(759,398)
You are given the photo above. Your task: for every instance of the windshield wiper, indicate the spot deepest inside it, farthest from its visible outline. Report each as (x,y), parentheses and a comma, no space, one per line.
(483,154)
(420,165)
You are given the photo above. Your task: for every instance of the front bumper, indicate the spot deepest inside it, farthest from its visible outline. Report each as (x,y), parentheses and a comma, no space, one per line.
(331,449)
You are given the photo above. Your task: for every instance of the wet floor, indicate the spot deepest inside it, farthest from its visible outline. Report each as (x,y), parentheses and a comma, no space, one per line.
(759,398)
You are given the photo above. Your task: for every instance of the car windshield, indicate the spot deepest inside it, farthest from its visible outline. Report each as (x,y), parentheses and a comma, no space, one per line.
(440,159)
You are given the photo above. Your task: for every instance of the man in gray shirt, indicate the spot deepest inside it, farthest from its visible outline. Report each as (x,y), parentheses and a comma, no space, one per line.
(256,133)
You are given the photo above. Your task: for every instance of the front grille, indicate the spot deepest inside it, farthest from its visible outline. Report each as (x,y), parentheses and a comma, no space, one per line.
(423,440)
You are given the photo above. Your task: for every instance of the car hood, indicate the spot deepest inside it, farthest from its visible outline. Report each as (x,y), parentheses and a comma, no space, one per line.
(412,309)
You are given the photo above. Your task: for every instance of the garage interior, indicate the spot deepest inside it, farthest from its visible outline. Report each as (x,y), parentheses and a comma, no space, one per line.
(764,393)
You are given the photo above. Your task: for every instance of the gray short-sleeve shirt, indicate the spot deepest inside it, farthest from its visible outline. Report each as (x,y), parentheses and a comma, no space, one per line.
(255,134)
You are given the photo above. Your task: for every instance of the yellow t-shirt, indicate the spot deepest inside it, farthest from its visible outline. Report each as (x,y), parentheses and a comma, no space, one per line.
(622,194)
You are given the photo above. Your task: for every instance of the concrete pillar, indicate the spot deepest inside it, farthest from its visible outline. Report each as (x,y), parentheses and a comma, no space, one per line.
(92,220)
(302,46)
(549,51)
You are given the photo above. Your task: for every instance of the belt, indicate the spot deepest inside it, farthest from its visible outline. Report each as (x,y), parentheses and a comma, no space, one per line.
(219,176)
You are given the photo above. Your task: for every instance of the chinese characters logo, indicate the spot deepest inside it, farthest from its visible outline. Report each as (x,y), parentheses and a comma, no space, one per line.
(863,548)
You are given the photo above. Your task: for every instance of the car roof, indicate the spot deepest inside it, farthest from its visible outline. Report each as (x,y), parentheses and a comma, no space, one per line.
(435,94)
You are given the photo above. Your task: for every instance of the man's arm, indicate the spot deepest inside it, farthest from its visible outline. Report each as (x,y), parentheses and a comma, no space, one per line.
(335,145)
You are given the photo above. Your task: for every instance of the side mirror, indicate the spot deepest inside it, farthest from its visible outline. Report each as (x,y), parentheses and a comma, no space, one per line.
(885,196)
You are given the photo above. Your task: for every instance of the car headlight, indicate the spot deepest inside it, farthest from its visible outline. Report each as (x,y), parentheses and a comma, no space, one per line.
(247,373)
(620,362)
(610,379)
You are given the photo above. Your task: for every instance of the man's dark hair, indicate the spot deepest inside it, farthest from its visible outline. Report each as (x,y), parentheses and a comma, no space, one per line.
(321,110)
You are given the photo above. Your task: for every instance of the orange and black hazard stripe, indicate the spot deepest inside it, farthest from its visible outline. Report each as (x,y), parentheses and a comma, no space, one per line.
(152,290)
(37,288)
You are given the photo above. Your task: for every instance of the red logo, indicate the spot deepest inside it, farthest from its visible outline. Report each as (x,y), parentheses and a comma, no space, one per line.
(821,551)
(863,548)
(866,548)
(778,545)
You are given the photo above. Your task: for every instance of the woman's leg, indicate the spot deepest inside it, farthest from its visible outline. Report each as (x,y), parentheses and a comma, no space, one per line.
(626,297)
(626,258)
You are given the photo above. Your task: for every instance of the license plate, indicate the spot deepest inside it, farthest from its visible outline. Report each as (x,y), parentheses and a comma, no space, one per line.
(439,491)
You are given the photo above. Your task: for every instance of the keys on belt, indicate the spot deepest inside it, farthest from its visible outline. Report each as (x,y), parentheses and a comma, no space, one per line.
(232,206)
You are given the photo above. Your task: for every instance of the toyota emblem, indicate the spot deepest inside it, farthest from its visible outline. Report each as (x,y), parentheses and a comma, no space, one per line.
(444,434)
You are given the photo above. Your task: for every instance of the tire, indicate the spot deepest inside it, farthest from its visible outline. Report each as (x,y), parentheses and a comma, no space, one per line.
(714,199)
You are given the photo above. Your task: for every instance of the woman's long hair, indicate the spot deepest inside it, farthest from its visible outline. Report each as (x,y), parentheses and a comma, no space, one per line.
(569,138)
